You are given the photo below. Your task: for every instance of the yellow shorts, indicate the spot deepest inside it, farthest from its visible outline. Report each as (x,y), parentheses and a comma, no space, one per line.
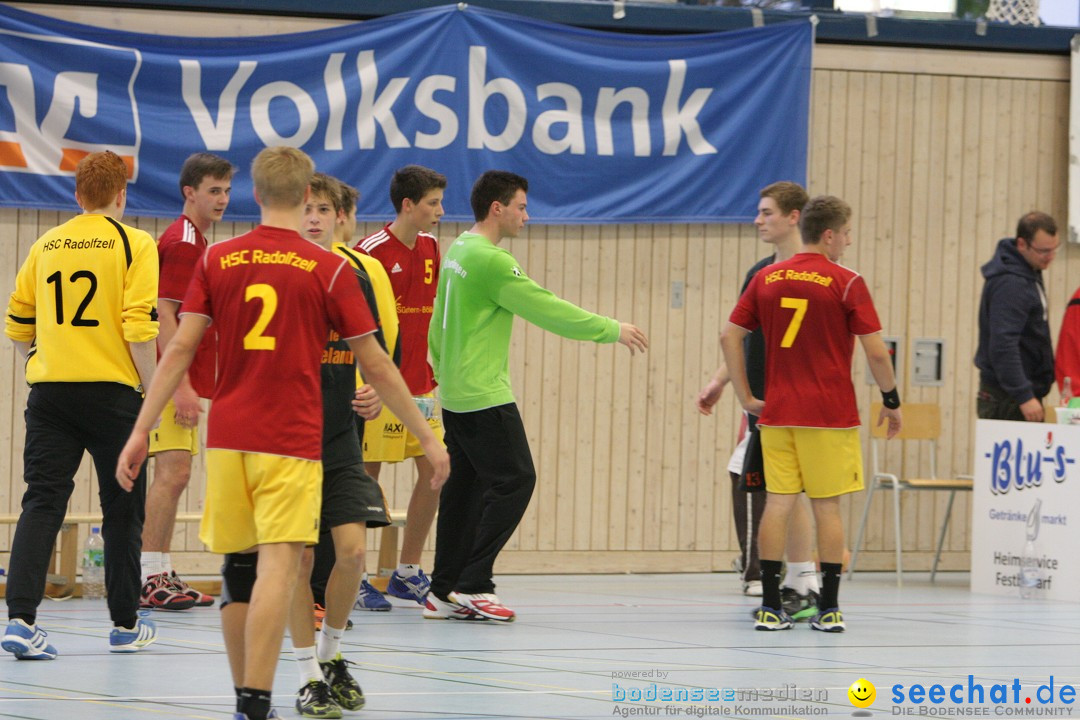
(170,436)
(255,499)
(386,439)
(825,462)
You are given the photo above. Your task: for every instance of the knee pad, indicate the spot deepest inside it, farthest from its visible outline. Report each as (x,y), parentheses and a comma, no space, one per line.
(238,577)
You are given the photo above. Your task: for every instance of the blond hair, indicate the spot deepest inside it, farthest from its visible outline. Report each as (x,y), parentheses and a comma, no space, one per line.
(281,175)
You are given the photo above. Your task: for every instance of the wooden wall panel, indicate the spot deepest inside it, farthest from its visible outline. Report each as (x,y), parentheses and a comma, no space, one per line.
(938,153)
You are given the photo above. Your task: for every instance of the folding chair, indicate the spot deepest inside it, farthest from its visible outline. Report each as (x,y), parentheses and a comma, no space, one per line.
(922,423)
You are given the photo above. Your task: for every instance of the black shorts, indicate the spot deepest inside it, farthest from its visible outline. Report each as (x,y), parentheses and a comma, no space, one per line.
(352,496)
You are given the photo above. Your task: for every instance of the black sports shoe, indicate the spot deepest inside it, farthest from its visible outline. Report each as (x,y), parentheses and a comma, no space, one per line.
(799,607)
(343,687)
(314,701)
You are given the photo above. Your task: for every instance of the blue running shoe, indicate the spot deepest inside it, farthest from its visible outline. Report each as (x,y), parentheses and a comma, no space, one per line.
(27,642)
(129,640)
(829,621)
(409,588)
(768,619)
(272,716)
(371,599)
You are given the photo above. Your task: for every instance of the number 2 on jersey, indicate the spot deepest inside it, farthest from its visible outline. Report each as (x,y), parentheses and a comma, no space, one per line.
(799,305)
(255,340)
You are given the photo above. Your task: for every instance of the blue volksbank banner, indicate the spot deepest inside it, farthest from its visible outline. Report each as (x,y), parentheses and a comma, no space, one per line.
(607,127)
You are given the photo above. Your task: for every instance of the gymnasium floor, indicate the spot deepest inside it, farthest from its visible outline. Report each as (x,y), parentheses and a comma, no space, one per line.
(575,638)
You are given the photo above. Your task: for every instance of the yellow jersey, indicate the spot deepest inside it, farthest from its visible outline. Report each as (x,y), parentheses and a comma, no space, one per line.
(385,303)
(88,288)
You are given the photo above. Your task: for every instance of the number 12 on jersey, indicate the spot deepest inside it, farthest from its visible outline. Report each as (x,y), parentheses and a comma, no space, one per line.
(799,305)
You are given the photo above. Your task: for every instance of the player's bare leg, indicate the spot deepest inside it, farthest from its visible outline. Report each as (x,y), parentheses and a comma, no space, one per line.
(350,548)
(268,613)
(423,504)
(800,532)
(172,472)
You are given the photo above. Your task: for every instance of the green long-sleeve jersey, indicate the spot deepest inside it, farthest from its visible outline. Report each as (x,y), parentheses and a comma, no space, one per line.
(481,289)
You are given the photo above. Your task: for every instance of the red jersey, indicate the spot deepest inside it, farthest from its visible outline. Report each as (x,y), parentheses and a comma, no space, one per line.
(414,275)
(179,249)
(810,309)
(1067,361)
(273,297)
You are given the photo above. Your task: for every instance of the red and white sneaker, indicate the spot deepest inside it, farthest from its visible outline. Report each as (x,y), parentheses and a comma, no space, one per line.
(436,609)
(201,599)
(158,593)
(485,604)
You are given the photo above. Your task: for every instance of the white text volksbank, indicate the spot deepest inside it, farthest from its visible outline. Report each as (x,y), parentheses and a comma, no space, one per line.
(379,107)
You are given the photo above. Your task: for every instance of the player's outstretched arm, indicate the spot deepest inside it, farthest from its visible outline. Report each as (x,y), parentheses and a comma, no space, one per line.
(379,370)
(174,363)
(877,355)
(710,394)
(731,342)
(632,337)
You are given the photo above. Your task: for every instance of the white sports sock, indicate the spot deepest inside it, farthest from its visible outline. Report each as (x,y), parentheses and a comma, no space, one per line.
(307,665)
(151,564)
(407,570)
(166,563)
(810,577)
(329,642)
(801,577)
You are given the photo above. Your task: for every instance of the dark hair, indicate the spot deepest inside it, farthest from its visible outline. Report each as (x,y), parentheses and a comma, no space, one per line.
(99,178)
(202,165)
(327,186)
(495,185)
(1032,222)
(349,196)
(824,212)
(414,182)
(788,196)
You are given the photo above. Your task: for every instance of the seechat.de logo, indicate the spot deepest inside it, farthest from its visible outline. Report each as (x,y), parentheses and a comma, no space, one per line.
(63,98)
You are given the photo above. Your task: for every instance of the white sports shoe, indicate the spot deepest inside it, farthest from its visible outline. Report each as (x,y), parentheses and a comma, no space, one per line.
(486,604)
(436,609)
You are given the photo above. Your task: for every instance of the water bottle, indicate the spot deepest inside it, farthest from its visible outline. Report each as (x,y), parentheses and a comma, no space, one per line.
(94,566)
(426,406)
(1031,574)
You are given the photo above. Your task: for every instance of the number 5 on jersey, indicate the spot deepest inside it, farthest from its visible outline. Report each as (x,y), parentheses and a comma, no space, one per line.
(799,305)
(255,340)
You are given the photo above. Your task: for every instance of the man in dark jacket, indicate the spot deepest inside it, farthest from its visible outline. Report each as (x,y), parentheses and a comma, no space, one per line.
(1015,357)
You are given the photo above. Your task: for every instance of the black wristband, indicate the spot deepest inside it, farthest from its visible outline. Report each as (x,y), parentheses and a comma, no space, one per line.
(890,399)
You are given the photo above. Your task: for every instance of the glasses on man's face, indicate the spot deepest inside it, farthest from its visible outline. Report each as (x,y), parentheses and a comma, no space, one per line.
(1042,252)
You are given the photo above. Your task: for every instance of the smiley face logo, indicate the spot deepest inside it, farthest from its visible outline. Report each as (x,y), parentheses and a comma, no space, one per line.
(862,693)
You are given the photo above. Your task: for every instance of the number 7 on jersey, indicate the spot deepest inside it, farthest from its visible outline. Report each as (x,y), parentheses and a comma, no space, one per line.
(799,305)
